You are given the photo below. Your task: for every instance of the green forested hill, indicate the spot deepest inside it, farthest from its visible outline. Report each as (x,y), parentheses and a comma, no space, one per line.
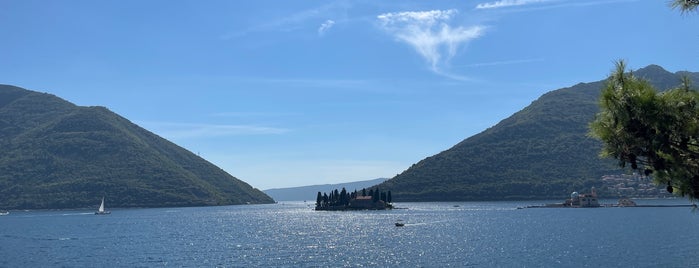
(542,151)
(54,154)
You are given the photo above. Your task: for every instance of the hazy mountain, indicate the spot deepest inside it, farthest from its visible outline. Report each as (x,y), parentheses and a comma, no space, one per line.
(59,155)
(542,151)
(310,192)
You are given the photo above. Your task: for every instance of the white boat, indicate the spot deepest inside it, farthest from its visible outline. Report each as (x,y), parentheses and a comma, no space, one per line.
(4,213)
(101,210)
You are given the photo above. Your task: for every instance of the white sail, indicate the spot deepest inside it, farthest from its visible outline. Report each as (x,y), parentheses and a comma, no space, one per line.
(101,209)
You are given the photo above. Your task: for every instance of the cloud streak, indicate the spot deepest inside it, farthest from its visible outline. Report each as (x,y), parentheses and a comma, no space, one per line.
(430,34)
(293,22)
(528,5)
(253,114)
(507,62)
(325,26)
(507,3)
(187,130)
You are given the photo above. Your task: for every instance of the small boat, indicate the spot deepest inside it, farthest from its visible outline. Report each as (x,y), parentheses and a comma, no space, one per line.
(400,224)
(101,210)
(4,213)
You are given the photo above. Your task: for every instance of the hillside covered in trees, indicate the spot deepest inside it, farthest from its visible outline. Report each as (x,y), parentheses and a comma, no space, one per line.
(543,151)
(58,155)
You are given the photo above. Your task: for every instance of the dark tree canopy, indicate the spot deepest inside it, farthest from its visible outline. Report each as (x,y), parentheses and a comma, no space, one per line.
(685,5)
(657,132)
(345,200)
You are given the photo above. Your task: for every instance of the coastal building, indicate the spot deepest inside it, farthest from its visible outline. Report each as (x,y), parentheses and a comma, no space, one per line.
(631,185)
(583,200)
(366,202)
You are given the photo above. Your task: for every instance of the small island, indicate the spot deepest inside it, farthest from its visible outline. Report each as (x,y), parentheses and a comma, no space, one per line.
(589,200)
(374,199)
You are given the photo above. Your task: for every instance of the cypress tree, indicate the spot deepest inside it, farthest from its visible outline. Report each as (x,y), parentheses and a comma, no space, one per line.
(343,197)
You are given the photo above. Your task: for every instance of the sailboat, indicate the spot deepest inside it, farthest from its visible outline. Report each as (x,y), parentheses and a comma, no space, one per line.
(101,210)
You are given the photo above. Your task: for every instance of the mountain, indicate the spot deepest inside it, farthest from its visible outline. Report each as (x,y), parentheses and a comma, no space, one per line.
(59,155)
(540,152)
(310,192)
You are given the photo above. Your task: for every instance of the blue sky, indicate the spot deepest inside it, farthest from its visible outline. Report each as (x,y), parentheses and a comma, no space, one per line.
(290,93)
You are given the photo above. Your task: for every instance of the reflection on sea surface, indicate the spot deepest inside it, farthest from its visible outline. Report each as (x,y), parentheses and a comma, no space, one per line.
(292,234)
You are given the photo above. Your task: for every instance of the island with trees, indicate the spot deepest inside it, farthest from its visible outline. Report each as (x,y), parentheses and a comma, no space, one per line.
(373,199)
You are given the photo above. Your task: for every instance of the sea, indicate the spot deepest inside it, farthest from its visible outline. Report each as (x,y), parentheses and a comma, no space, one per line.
(292,234)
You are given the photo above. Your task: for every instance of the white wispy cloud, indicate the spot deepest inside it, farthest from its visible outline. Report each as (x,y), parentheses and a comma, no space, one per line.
(189,130)
(507,3)
(505,62)
(430,34)
(325,26)
(254,114)
(310,83)
(528,5)
(294,21)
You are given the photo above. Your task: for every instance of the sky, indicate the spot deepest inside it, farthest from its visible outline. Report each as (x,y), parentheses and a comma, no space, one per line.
(291,93)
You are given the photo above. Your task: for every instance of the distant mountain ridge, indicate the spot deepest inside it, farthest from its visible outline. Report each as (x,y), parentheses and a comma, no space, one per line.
(59,155)
(309,192)
(540,152)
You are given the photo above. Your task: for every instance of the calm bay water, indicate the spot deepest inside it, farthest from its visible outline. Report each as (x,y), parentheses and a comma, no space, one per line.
(469,234)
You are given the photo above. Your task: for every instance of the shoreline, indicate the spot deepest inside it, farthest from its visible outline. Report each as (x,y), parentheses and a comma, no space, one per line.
(611,206)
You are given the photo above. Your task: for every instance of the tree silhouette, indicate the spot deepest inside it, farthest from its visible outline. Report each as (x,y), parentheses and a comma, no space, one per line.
(651,131)
(341,200)
(685,5)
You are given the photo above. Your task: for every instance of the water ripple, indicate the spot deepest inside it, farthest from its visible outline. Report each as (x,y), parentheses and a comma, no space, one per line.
(463,234)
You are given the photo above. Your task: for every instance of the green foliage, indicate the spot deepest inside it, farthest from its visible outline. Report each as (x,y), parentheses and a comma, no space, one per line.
(657,132)
(342,200)
(336,199)
(58,155)
(685,5)
(540,152)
